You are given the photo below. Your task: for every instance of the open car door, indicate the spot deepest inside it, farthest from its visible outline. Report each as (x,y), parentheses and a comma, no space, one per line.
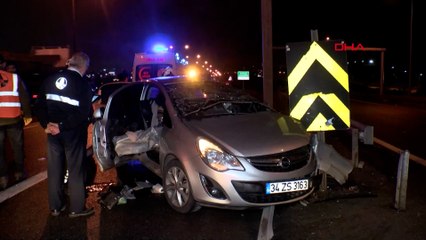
(100,150)
(122,114)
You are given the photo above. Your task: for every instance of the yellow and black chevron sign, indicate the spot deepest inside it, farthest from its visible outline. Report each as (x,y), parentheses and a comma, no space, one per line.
(318,85)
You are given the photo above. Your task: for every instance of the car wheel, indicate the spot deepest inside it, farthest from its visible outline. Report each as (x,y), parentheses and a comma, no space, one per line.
(177,188)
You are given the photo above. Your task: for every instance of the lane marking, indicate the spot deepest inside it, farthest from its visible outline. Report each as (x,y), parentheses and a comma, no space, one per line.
(22,186)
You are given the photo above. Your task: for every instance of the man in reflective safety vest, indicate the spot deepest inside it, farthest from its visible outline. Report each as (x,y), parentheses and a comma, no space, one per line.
(63,108)
(15,111)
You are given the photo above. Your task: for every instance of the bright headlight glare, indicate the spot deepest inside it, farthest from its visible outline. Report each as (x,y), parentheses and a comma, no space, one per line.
(216,158)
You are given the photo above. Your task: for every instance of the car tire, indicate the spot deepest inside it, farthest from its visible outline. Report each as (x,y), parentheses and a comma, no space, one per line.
(177,188)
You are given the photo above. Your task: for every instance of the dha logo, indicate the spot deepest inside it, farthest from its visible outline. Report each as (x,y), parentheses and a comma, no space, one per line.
(345,47)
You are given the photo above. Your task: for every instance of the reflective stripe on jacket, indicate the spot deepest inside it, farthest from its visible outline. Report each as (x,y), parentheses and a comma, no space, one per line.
(59,98)
(10,105)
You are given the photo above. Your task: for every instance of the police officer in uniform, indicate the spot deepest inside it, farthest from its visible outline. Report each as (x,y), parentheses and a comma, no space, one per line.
(63,109)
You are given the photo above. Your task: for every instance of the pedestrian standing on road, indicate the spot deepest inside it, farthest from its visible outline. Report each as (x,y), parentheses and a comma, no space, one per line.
(63,108)
(15,113)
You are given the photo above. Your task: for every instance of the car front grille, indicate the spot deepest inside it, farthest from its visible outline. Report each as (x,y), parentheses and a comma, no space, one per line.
(272,198)
(282,162)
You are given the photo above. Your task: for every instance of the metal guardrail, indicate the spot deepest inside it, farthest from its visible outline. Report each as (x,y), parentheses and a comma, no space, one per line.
(402,181)
(402,174)
(391,147)
(365,134)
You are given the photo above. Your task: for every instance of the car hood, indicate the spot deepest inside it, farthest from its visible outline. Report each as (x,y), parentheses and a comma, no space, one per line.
(253,134)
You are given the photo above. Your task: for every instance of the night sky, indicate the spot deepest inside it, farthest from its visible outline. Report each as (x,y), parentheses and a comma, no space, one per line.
(226,32)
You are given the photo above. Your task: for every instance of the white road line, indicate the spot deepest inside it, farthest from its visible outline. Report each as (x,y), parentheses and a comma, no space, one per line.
(21,186)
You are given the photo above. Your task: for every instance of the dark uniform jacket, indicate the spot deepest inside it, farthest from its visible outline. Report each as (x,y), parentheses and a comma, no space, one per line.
(64,98)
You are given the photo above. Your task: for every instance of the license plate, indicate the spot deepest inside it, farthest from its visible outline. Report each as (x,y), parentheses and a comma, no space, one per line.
(288,186)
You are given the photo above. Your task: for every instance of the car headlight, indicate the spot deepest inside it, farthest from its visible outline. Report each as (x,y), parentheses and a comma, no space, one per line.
(216,158)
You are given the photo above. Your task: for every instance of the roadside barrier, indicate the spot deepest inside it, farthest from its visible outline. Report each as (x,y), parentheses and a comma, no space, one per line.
(412,157)
(402,174)
(266,231)
(402,179)
(365,134)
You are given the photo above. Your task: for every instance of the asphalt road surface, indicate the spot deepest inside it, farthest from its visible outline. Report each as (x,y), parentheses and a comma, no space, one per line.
(362,208)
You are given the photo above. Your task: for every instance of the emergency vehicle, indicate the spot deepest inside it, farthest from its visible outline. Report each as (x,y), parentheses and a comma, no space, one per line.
(155,64)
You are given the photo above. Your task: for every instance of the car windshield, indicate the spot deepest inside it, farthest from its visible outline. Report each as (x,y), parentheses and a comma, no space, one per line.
(207,99)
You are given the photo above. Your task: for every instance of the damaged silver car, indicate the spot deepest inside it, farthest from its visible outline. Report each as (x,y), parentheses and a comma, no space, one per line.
(212,145)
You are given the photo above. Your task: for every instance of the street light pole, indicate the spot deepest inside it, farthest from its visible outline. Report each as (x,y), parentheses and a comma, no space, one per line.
(410,60)
(266,14)
(74,30)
